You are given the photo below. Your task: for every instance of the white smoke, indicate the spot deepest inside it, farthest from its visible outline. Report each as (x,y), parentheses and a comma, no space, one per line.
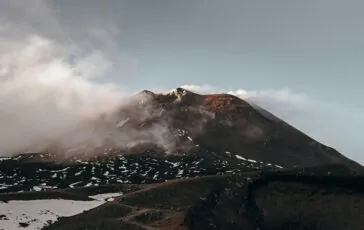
(332,124)
(48,84)
(53,85)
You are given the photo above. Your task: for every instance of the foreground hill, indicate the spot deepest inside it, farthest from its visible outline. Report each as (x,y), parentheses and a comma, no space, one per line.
(194,162)
(323,197)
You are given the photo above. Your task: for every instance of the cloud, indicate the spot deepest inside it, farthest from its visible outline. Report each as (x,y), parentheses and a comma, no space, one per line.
(50,83)
(56,86)
(43,93)
(333,124)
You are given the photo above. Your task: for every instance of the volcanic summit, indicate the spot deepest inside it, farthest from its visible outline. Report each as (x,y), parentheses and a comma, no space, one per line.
(188,161)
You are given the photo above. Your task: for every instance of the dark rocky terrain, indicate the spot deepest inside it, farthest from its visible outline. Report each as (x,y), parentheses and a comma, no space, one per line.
(220,163)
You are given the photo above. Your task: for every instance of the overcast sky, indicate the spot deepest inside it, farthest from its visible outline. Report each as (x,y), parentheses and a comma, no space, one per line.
(313,46)
(311,53)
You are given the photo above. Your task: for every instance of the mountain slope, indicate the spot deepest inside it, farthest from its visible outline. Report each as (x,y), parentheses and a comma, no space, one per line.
(192,162)
(174,135)
(226,123)
(294,199)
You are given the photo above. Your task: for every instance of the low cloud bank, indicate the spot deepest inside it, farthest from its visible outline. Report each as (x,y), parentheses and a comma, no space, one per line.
(53,87)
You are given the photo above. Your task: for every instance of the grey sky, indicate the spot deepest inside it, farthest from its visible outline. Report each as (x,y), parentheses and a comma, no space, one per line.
(312,47)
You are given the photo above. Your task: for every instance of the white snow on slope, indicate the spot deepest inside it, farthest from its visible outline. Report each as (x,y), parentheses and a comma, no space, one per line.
(240,157)
(39,213)
(105,196)
(5,158)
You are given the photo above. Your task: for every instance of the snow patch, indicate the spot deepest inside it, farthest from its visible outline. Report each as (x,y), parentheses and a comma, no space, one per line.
(105,196)
(252,161)
(40,213)
(5,158)
(37,188)
(240,157)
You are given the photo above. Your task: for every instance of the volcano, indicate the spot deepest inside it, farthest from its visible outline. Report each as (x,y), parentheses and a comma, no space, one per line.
(188,161)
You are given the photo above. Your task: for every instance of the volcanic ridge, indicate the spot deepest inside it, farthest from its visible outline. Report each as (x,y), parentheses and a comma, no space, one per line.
(182,160)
